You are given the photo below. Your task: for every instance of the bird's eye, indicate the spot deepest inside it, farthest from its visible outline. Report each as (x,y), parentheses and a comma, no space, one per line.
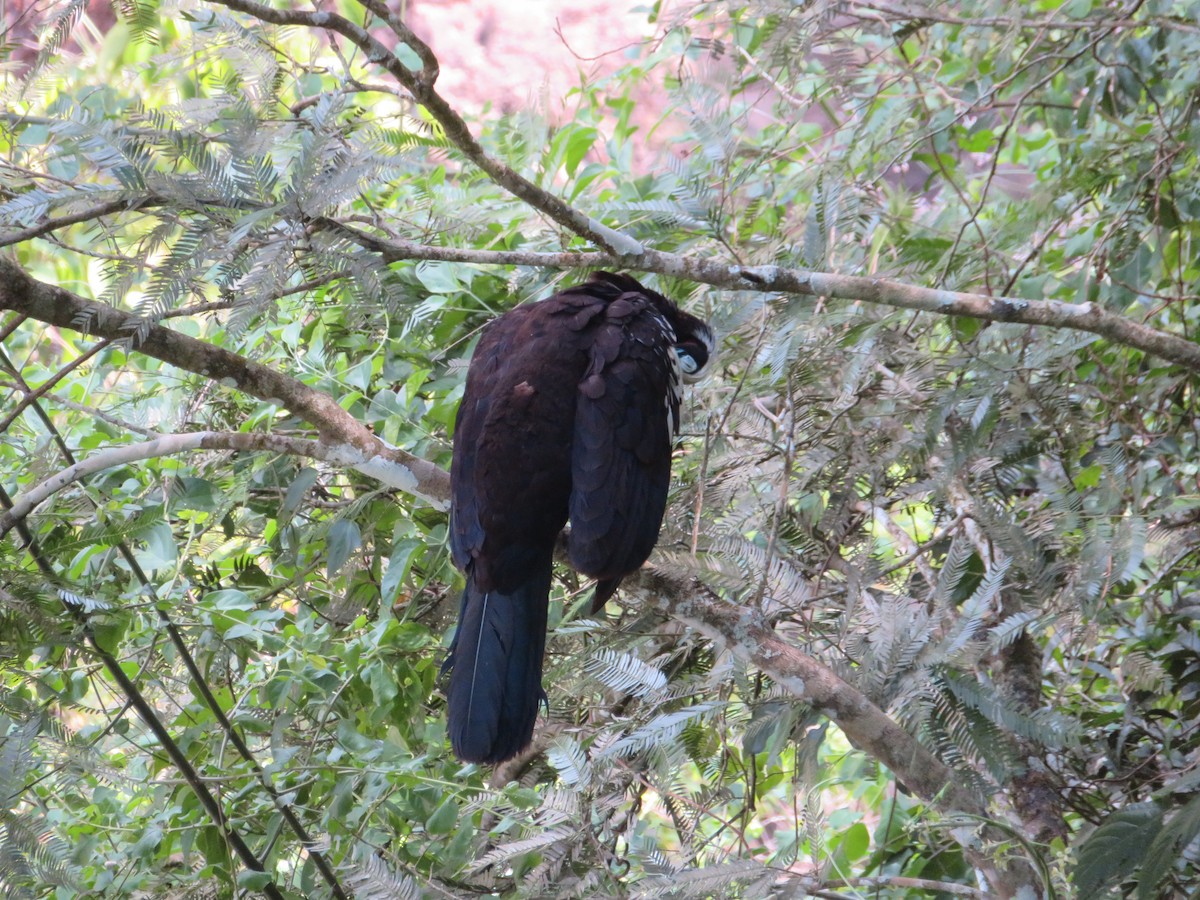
(687,362)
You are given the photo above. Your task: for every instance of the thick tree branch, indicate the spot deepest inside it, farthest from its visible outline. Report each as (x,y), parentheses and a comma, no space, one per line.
(1087,317)
(348,442)
(746,634)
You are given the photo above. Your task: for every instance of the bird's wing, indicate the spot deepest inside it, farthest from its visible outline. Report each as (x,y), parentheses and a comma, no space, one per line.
(510,476)
(626,414)
(466,527)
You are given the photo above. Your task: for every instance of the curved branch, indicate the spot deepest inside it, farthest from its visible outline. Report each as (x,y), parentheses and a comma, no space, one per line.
(346,440)
(171,444)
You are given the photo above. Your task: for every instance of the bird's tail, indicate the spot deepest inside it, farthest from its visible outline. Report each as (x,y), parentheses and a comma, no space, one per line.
(495,667)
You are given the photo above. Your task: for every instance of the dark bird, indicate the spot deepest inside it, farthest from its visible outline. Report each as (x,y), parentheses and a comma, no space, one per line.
(570,411)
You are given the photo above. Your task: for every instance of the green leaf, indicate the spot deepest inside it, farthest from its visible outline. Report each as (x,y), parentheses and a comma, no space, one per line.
(161,548)
(344,538)
(855,842)
(444,818)
(399,564)
(978,141)
(211,843)
(578,144)
(439,278)
(249,880)
(1165,851)
(1114,850)
(300,485)
(109,631)
(1089,477)
(230,599)
(195,493)
(383,683)
(148,841)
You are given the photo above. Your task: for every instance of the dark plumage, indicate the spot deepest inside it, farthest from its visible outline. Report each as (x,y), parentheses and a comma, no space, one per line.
(570,410)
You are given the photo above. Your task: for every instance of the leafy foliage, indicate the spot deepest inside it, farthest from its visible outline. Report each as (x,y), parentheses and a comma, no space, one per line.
(988,530)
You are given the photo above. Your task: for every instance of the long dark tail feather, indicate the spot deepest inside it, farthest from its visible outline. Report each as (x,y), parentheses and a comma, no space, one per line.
(495,667)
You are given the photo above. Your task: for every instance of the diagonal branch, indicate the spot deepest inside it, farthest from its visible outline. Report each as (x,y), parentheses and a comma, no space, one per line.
(747,635)
(152,720)
(31,396)
(351,441)
(420,85)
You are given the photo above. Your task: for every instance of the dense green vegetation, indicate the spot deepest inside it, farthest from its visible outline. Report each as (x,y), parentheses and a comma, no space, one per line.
(899,515)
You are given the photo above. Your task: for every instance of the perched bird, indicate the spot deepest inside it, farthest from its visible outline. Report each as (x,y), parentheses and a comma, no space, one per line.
(570,411)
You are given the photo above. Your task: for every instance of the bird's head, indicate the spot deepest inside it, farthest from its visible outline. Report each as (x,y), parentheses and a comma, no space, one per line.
(695,345)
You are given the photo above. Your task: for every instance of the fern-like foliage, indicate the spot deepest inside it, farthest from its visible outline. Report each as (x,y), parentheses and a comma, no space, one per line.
(376,879)
(31,857)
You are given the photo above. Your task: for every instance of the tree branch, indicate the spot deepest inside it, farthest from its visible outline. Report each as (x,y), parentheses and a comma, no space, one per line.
(420,85)
(200,684)
(49,225)
(151,718)
(169,445)
(1087,317)
(624,251)
(747,635)
(347,441)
